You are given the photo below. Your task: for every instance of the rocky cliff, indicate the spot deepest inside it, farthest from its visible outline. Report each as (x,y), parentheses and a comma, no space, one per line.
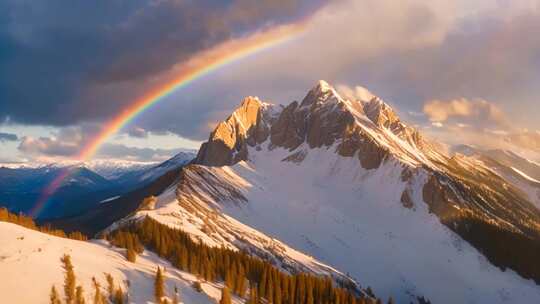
(323,118)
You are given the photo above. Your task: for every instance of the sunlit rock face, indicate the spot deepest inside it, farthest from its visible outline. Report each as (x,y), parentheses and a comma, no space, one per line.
(248,125)
(323,118)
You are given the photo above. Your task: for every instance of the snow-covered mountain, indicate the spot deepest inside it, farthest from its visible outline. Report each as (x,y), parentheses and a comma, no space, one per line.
(115,169)
(143,175)
(350,185)
(520,172)
(21,188)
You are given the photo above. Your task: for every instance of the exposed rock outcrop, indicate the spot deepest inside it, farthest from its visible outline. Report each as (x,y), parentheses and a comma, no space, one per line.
(248,125)
(290,129)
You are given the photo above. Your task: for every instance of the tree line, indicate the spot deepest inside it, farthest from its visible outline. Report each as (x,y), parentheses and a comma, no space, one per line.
(245,276)
(503,248)
(28,222)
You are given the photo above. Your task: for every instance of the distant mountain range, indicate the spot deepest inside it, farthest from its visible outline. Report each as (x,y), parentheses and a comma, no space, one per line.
(87,184)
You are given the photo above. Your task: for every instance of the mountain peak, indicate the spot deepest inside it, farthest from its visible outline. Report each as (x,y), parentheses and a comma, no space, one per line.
(321,93)
(324,86)
(363,102)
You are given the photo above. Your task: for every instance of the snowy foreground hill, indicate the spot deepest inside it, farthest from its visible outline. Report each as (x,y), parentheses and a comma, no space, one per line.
(30,265)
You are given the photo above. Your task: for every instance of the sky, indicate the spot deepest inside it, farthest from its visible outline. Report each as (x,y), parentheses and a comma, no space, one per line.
(461,71)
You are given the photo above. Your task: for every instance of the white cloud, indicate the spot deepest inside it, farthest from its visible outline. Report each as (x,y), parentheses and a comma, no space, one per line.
(356,93)
(63,142)
(478,111)
(119,151)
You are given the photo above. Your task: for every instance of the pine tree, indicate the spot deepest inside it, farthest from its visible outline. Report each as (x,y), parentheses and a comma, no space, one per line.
(277,293)
(300,289)
(131,255)
(79,295)
(370,293)
(69,280)
(110,286)
(4,215)
(98,297)
(225,296)
(292,290)
(240,282)
(197,286)
(54,297)
(229,279)
(253,295)
(119,296)
(184,260)
(262,284)
(270,290)
(309,289)
(176,296)
(159,286)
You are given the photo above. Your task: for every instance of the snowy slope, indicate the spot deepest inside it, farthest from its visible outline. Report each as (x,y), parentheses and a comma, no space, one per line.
(30,264)
(216,230)
(330,208)
(517,170)
(525,183)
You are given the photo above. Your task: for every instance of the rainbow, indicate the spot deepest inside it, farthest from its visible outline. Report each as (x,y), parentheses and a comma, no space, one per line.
(202,64)
(193,69)
(49,190)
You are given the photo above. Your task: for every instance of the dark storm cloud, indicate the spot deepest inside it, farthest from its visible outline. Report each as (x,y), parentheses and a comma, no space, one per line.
(62,62)
(4,137)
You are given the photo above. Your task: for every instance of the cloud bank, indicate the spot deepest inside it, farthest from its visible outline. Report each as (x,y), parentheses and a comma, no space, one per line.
(478,112)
